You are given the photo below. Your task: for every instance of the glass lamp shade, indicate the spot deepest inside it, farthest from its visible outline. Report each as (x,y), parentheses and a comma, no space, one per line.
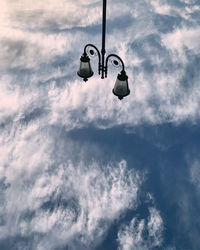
(121,88)
(85,70)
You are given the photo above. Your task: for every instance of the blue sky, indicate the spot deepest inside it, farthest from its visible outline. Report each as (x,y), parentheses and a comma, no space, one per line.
(80,169)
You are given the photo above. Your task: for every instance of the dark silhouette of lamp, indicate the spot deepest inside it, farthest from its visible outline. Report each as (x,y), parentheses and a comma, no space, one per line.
(121,88)
(85,70)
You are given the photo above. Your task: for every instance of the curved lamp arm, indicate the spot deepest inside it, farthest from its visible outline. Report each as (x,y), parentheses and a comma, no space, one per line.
(98,53)
(116,56)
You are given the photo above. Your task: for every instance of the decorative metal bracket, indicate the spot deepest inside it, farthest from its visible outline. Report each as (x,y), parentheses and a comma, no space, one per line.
(90,52)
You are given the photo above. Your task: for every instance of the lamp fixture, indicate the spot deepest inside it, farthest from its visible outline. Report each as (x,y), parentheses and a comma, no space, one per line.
(121,88)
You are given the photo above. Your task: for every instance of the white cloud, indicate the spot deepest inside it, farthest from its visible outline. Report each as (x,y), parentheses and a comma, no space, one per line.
(184,10)
(155,227)
(49,14)
(76,203)
(52,190)
(160,8)
(131,236)
(155,79)
(183,38)
(29,50)
(39,92)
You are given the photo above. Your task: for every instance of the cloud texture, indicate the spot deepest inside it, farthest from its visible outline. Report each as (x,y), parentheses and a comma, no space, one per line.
(58,192)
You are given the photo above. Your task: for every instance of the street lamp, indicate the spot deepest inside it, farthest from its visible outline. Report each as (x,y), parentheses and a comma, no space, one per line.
(121,88)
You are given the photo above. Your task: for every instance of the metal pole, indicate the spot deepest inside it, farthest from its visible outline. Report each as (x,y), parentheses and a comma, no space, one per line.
(103,51)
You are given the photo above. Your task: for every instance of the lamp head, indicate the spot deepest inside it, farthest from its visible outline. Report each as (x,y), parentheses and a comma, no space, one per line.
(85,70)
(121,88)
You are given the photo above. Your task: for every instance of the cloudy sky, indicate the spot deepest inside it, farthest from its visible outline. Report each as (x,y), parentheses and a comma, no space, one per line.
(80,169)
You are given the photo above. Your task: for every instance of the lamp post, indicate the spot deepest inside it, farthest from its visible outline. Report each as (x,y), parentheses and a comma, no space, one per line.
(121,88)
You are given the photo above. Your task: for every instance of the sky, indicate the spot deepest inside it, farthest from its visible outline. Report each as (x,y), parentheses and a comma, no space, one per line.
(80,169)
